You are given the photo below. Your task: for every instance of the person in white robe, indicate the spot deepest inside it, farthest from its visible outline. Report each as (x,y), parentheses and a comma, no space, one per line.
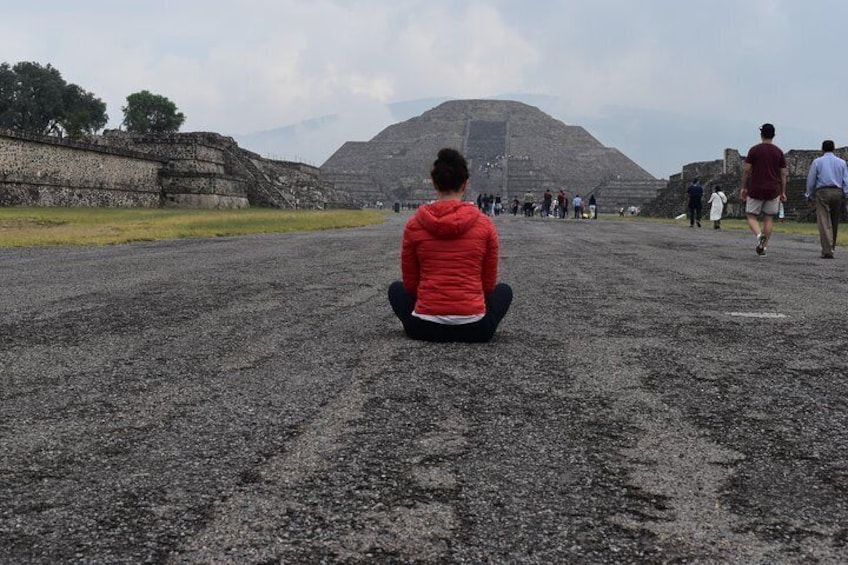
(717,201)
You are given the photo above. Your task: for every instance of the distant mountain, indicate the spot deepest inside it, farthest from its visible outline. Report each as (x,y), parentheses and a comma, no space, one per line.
(286,143)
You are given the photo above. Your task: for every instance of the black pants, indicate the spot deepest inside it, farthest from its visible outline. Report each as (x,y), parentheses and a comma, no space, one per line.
(694,213)
(497,304)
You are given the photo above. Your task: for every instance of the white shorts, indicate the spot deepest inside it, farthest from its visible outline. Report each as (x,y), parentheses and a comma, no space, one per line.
(765,207)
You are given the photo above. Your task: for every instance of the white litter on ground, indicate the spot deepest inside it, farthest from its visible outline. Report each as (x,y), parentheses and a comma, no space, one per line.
(757,314)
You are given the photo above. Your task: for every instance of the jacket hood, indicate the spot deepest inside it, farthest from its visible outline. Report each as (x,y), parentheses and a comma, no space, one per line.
(448,219)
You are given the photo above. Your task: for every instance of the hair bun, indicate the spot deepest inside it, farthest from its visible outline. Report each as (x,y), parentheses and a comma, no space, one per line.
(449,156)
(450,171)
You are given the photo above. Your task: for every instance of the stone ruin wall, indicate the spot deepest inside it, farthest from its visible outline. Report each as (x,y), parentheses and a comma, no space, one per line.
(196,173)
(44,171)
(198,170)
(727,172)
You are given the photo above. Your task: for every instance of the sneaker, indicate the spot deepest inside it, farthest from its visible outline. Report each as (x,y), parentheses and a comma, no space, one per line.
(761,244)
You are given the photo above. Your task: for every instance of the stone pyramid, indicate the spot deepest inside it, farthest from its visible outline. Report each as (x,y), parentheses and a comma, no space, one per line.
(511,147)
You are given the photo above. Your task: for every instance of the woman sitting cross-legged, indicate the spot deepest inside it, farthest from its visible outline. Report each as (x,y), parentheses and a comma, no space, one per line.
(449,262)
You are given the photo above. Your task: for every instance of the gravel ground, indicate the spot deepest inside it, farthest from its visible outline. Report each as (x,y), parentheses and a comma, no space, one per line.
(656,395)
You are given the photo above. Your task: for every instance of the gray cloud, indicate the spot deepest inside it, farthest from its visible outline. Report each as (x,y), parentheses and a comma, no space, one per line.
(705,74)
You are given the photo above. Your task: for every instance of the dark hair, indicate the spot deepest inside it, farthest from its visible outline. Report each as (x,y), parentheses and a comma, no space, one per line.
(828,145)
(716,187)
(767,131)
(450,170)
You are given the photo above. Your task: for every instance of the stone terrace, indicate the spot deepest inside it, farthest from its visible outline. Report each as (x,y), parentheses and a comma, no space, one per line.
(197,169)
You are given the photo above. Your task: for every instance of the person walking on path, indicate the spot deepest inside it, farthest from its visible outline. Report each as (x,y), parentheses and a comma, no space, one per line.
(765,168)
(449,263)
(578,206)
(827,188)
(717,201)
(593,207)
(695,194)
(528,203)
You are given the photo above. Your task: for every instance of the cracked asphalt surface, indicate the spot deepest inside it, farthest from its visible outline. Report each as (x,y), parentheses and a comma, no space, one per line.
(655,395)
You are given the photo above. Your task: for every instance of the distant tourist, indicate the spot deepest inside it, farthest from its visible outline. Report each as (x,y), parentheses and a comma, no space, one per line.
(487,204)
(717,201)
(577,203)
(827,187)
(515,205)
(695,200)
(547,200)
(449,262)
(528,203)
(593,207)
(765,167)
(560,200)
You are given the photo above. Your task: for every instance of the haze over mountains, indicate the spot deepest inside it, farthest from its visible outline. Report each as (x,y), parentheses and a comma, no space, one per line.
(660,142)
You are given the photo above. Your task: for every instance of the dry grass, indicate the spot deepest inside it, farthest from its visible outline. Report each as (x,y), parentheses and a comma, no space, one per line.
(789,227)
(27,227)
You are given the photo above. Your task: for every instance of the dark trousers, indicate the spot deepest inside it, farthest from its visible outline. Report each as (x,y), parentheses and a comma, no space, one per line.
(694,213)
(497,305)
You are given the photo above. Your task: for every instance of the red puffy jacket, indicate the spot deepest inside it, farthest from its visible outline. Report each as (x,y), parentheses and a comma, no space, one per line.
(449,259)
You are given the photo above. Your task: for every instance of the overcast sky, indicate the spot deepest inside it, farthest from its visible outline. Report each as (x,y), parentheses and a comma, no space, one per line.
(712,67)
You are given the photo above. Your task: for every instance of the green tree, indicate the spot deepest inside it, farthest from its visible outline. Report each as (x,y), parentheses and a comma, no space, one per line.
(146,112)
(32,97)
(84,114)
(36,99)
(7,95)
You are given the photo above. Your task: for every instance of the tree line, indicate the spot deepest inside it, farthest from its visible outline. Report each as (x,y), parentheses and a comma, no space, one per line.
(34,98)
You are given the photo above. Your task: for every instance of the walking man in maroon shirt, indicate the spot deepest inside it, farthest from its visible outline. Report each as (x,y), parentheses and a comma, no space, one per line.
(765,167)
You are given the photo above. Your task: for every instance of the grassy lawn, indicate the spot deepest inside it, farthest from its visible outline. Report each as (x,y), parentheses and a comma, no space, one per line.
(27,227)
(789,227)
